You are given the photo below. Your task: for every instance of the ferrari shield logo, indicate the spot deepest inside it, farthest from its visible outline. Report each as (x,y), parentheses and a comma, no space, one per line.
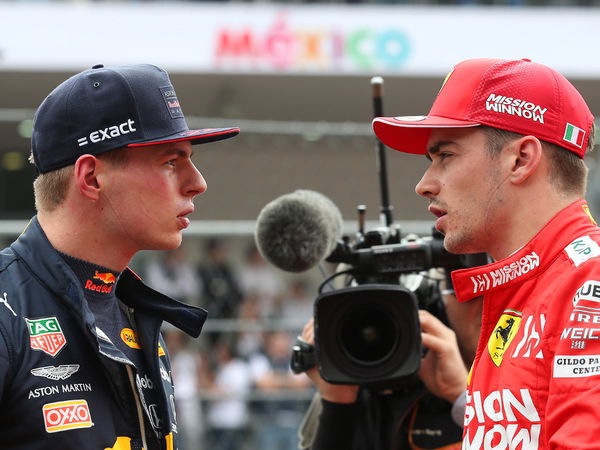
(503,334)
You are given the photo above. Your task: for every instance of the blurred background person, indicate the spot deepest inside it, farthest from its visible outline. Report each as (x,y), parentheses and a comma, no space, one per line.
(171,272)
(279,406)
(296,302)
(221,293)
(250,339)
(257,278)
(227,407)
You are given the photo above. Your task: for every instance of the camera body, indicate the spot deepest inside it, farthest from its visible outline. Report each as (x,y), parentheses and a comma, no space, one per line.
(368,332)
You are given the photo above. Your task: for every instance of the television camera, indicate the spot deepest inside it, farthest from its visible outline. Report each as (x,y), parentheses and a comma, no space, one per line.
(367,331)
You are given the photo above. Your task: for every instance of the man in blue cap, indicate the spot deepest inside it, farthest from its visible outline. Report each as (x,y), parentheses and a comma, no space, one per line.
(81,356)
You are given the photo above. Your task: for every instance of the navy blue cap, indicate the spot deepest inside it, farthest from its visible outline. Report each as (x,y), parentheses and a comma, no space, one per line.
(105,108)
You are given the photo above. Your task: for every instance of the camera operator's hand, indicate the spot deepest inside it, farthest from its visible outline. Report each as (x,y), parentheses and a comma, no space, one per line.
(442,369)
(335,393)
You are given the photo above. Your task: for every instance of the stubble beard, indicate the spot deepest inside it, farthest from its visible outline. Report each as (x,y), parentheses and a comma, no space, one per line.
(460,241)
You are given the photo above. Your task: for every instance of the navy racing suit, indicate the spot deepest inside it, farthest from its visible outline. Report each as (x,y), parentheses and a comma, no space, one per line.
(64,385)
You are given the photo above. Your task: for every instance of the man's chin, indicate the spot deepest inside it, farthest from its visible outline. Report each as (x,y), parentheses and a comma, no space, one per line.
(452,245)
(168,244)
(459,247)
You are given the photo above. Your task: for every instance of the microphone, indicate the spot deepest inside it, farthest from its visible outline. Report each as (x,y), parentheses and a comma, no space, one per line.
(296,231)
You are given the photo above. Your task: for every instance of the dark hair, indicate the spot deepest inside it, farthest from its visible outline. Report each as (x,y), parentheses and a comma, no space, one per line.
(567,170)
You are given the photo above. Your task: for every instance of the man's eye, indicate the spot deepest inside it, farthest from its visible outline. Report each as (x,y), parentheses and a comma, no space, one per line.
(171,162)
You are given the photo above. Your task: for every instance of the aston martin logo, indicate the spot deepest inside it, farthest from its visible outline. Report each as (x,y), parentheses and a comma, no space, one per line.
(61,372)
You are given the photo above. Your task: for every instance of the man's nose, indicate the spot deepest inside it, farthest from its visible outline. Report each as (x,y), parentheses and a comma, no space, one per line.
(427,186)
(196,183)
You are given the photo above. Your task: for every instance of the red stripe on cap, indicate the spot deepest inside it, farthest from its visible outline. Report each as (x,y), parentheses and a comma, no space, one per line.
(186,138)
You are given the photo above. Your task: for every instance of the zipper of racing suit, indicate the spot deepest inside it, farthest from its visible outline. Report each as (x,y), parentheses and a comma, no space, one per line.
(136,394)
(138,405)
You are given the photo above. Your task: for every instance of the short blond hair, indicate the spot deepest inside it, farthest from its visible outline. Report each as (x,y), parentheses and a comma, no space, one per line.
(50,188)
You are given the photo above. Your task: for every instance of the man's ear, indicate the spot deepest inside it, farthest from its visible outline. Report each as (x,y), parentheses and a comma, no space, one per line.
(86,176)
(526,155)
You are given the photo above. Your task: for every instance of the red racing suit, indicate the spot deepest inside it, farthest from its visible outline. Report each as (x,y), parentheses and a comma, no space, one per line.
(535,380)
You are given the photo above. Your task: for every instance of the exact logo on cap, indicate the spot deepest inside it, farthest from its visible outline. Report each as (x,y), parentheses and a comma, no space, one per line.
(107,133)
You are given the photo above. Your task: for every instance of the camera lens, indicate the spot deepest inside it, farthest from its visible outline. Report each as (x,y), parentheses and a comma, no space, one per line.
(368,335)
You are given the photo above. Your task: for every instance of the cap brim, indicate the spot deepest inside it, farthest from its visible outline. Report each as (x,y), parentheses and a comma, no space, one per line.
(410,134)
(195,136)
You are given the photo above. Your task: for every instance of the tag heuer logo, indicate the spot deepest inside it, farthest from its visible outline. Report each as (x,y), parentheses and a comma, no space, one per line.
(502,336)
(46,335)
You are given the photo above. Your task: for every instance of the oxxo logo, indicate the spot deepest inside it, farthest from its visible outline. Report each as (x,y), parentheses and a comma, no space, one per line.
(107,133)
(69,415)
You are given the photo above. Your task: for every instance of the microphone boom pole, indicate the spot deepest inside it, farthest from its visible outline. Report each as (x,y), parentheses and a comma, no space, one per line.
(386,208)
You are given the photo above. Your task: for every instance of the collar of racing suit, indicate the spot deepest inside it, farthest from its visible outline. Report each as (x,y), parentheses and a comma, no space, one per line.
(146,307)
(46,263)
(530,260)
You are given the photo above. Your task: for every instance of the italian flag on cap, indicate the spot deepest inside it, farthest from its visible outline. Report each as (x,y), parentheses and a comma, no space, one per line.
(574,135)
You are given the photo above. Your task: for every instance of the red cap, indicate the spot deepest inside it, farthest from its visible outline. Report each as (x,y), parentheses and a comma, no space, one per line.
(518,95)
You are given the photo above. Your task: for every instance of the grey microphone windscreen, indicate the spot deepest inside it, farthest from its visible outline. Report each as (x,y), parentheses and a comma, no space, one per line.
(296,231)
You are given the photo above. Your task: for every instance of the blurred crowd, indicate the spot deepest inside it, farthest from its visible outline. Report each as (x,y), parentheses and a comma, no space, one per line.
(235,390)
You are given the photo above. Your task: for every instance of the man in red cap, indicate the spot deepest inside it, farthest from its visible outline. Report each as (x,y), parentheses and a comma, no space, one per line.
(506,141)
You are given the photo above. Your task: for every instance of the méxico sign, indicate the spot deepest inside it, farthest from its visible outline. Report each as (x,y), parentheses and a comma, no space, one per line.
(333,39)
